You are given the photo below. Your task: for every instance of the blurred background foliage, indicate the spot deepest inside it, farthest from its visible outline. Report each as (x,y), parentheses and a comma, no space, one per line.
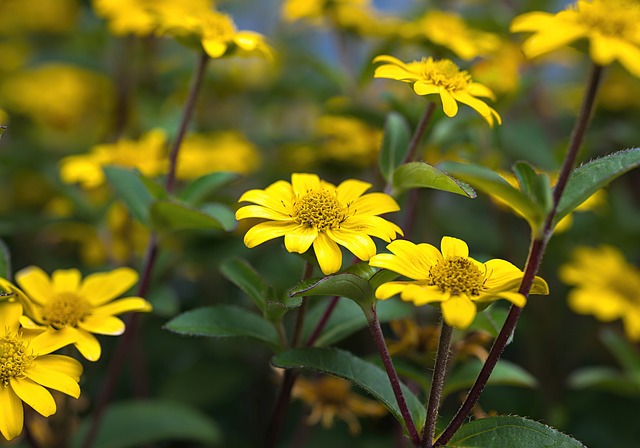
(69,86)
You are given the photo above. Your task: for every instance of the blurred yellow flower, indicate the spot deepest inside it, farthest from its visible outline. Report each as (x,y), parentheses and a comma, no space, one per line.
(441,77)
(610,25)
(45,16)
(348,140)
(605,286)
(63,97)
(27,368)
(500,71)
(451,278)
(450,30)
(230,151)
(80,307)
(146,154)
(330,397)
(311,211)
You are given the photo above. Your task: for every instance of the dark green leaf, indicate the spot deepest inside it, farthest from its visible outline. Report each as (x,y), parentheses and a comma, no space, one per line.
(224,321)
(170,216)
(244,276)
(200,188)
(590,177)
(365,375)
(604,378)
(395,144)
(165,301)
(2,129)
(5,262)
(139,423)
(625,352)
(423,175)
(535,185)
(491,319)
(221,213)
(132,190)
(343,285)
(504,374)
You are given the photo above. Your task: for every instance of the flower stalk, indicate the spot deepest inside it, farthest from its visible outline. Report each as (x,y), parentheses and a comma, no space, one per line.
(536,252)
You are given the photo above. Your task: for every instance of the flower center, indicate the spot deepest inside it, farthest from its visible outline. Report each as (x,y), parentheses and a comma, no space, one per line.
(320,209)
(612,18)
(218,26)
(13,357)
(457,276)
(444,73)
(65,310)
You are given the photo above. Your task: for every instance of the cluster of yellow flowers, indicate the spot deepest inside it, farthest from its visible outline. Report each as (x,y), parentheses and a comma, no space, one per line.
(46,314)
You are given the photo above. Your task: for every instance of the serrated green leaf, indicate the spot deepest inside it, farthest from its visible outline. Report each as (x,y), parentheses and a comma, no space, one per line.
(343,285)
(604,378)
(347,318)
(363,374)
(625,353)
(592,176)
(509,431)
(423,175)
(492,183)
(200,188)
(244,276)
(132,190)
(140,423)
(5,261)
(223,321)
(170,216)
(504,374)
(395,144)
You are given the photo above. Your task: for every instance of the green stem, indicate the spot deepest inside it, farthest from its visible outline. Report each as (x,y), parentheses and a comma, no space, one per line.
(437,384)
(378,339)
(536,252)
(117,363)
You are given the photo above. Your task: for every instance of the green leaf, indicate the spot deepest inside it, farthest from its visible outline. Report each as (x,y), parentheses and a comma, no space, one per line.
(365,375)
(590,177)
(347,318)
(5,261)
(625,353)
(604,378)
(395,144)
(200,188)
(221,213)
(423,175)
(244,276)
(492,183)
(535,185)
(170,216)
(508,431)
(2,129)
(130,187)
(223,321)
(165,301)
(139,423)
(344,285)
(491,320)
(504,374)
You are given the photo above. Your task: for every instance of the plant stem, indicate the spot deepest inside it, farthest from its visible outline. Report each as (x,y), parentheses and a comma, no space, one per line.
(437,383)
(419,132)
(378,339)
(117,363)
(323,321)
(536,252)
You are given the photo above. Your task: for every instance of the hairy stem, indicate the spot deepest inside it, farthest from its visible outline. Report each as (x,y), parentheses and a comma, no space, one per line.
(323,321)
(378,338)
(437,383)
(536,252)
(124,344)
(419,132)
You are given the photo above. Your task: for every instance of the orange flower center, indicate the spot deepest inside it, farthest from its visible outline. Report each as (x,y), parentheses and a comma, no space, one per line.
(611,18)
(457,275)
(13,357)
(320,209)
(66,309)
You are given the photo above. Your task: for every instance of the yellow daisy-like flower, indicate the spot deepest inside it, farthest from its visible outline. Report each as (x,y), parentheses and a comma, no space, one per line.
(441,77)
(606,286)
(81,307)
(27,368)
(311,211)
(331,397)
(451,278)
(610,25)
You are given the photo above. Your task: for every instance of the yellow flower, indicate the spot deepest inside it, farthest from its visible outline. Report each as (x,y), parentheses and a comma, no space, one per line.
(230,151)
(147,155)
(311,211)
(81,307)
(501,70)
(27,368)
(451,278)
(449,30)
(331,397)
(348,140)
(606,286)
(441,77)
(46,16)
(610,25)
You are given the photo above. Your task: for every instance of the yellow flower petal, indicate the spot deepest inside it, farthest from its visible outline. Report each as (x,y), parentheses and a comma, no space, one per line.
(36,284)
(300,239)
(11,413)
(215,48)
(476,104)
(350,190)
(453,247)
(109,325)
(10,313)
(372,225)
(52,340)
(546,41)
(374,204)
(327,253)
(360,245)
(121,306)
(258,211)
(458,311)
(516,298)
(390,289)
(449,104)
(266,231)
(422,88)
(34,395)
(102,287)
(421,294)
(88,345)
(632,324)
(531,21)
(53,379)
(269,197)
(539,286)
(628,55)
(65,280)
(62,364)
(302,183)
